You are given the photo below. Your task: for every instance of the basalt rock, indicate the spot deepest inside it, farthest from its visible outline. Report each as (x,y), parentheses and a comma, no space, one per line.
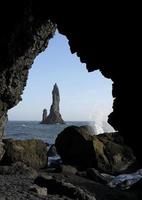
(3,120)
(25,37)
(54,116)
(106,152)
(61,187)
(18,168)
(33,153)
(44,115)
(100,38)
(75,147)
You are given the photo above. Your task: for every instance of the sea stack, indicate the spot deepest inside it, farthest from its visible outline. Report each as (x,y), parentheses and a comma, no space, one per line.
(44,115)
(54,116)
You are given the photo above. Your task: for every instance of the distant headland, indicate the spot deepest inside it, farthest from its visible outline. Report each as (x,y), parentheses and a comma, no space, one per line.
(54,116)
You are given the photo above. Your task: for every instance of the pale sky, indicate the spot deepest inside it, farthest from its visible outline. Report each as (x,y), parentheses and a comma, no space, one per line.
(83,96)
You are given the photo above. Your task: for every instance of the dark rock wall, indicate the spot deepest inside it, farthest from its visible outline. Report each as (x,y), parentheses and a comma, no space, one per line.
(23,37)
(103,36)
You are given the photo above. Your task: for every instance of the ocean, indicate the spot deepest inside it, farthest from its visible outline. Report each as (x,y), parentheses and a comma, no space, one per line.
(24,130)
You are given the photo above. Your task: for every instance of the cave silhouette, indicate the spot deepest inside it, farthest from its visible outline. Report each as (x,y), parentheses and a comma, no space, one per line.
(104,39)
(93,104)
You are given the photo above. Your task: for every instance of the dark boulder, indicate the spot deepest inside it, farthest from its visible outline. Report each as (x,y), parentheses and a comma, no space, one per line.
(31,152)
(112,157)
(106,152)
(75,147)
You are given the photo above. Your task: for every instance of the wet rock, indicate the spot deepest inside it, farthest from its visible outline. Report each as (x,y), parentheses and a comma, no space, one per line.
(112,157)
(67,169)
(114,137)
(38,190)
(126,181)
(106,152)
(63,188)
(31,152)
(136,188)
(75,147)
(52,152)
(94,174)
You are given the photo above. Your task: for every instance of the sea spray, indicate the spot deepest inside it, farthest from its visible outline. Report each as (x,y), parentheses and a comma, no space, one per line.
(97,128)
(99,123)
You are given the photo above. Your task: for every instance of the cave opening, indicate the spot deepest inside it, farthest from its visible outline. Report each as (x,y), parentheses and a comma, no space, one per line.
(84,97)
(28,35)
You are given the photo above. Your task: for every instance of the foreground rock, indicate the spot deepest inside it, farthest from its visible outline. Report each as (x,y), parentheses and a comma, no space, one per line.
(94,174)
(79,147)
(2,151)
(38,190)
(75,187)
(18,169)
(19,182)
(31,152)
(56,186)
(54,115)
(3,120)
(60,186)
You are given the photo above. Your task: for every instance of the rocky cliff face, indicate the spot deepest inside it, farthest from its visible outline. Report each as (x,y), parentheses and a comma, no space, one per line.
(23,38)
(54,115)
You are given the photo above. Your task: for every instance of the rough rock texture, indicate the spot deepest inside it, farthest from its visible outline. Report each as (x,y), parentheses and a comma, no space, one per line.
(63,188)
(81,188)
(112,156)
(54,115)
(18,169)
(38,190)
(104,152)
(17,187)
(94,174)
(3,120)
(44,115)
(23,38)
(2,151)
(52,151)
(31,152)
(106,38)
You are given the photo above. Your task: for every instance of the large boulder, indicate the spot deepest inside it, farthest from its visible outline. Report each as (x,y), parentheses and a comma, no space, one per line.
(75,147)
(112,157)
(106,152)
(31,152)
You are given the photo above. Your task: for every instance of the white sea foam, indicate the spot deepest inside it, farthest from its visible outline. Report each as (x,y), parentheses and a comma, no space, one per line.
(125,181)
(99,122)
(97,129)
